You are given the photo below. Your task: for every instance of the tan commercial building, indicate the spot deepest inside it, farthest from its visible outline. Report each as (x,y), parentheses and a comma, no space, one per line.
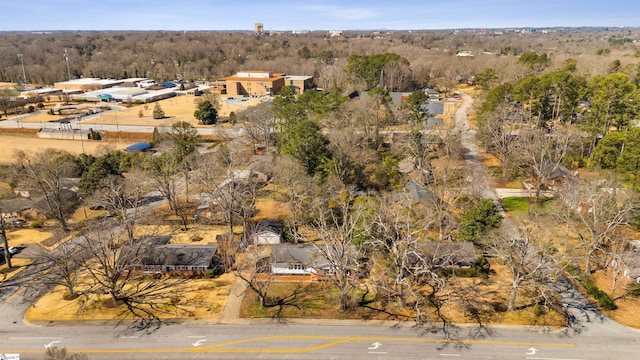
(262,83)
(299,82)
(254,83)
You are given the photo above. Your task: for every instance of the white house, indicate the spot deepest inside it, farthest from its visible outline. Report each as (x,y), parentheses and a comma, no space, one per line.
(266,237)
(267,233)
(293,259)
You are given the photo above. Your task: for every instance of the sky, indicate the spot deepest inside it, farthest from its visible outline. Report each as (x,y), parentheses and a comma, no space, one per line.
(34,15)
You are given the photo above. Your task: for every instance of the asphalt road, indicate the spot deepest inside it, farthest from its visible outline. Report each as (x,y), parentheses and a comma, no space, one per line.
(282,341)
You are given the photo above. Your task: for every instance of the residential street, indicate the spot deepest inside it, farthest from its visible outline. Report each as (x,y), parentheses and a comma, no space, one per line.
(591,336)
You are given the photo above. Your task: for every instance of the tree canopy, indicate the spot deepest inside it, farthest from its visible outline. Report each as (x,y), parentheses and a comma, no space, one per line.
(308,144)
(206,113)
(368,68)
(478,220)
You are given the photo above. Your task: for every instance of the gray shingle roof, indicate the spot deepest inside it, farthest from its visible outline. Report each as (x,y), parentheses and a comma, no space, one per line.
(180,255)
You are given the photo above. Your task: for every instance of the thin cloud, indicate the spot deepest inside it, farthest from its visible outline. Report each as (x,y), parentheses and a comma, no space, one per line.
(341,12)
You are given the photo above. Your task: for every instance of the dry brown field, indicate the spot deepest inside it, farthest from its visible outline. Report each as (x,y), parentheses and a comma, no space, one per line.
(179,108)
(176,109)
(12,143)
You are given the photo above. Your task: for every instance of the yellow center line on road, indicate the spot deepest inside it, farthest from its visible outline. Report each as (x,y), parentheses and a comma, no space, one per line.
(13,296)
(337,340)
(342,339)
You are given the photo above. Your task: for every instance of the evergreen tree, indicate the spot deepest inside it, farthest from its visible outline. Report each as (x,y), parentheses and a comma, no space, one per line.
(206,113)
(158,113)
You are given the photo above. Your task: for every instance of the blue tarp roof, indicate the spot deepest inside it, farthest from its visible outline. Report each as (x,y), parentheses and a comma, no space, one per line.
(168,84)
(141,146)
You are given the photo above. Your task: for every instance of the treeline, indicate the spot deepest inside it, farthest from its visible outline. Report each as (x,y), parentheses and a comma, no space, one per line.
(167,55)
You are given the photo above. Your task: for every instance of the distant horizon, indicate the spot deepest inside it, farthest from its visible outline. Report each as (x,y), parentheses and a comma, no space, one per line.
(321,30)
(313,15)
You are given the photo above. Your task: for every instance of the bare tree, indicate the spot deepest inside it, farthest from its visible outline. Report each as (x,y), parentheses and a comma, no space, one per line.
(113,266)
(122,197)
(161,171)
(542,154)
(5,243)
(163,175)
(530,264)
(258,122)
(499,138)
(618,253)
(600,208)
(298,187)
(413,271)
(392,235)
(64,262)
(338,228)
(45,174)
(227,187)
(444,183)
(254,268)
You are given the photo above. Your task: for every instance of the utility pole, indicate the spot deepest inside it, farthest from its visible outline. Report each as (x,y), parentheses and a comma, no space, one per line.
(66,58)
(7,255)
(81,141)
(24,74)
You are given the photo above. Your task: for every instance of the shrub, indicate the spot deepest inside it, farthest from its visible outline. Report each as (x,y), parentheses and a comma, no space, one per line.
(633,289)
(138,102)
(37,224)
(94,135)
(539,311)
(604,300)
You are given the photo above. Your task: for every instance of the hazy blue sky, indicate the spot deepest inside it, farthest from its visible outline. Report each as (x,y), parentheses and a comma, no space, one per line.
(311,14)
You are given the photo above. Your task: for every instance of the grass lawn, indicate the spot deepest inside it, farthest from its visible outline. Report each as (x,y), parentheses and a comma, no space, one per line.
(24,237)
(198,299)
(267,209)
(520,205)
(320,300)
(198,234)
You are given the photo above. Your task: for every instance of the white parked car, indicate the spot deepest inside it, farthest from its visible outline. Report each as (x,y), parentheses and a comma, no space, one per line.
(12,250)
